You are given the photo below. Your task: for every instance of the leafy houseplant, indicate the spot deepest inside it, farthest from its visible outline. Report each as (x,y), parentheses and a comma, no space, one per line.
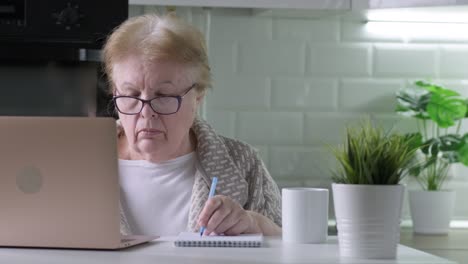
(435,110)
(438,112)
(366,191)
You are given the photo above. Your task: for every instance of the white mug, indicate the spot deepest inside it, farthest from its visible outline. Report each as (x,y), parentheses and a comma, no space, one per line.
(305,215)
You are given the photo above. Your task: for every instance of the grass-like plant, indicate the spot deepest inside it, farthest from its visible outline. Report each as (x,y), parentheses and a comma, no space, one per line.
(372,155)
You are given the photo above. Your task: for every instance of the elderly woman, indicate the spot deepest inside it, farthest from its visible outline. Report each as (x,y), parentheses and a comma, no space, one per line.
(159,74)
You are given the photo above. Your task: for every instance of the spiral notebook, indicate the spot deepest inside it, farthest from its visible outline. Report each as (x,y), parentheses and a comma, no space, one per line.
(187,239)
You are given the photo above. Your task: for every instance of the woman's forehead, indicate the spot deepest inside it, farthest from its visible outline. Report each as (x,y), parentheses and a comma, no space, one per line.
(136,72)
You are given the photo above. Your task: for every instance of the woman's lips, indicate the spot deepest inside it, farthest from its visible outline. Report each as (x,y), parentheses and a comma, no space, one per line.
(149,132)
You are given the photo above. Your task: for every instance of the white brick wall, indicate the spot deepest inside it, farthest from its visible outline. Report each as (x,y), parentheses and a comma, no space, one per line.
(289,86)
(340,60)
(375,95)
(271,57)
(299,94)
(399,60)
(454,61)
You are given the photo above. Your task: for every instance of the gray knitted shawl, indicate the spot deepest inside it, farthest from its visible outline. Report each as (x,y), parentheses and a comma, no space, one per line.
(242,176)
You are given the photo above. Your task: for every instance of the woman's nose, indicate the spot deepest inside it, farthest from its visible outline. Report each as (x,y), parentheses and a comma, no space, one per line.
(148,111)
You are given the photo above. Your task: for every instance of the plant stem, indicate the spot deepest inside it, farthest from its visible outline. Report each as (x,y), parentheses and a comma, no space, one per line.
(425,130)
(458,126)
(419,126)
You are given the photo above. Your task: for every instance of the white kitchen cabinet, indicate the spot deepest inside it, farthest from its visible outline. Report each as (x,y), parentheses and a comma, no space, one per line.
(318,8)
(304,4)
(263,4)
(378,4)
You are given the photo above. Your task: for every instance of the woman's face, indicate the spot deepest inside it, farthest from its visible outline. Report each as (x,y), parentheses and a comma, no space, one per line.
(152,136)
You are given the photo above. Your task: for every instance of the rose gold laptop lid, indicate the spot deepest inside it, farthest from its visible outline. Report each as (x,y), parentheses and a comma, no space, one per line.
(59,184)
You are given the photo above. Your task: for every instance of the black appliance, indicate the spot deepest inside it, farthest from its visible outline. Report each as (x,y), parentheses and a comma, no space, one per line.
(50,56)
(57,29)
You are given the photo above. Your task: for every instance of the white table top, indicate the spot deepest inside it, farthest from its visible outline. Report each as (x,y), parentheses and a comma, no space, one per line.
(163,251)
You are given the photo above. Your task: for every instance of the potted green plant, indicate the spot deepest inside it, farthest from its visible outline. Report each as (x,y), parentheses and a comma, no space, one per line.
(366,191)
(438,112)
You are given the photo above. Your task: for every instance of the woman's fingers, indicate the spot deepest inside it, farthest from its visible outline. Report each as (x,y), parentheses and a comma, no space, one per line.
(210,206)
(219,216)
(230,221)
(223,215)
(238,228)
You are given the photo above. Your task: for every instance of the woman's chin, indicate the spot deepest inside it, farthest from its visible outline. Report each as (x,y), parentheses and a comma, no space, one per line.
(149,146)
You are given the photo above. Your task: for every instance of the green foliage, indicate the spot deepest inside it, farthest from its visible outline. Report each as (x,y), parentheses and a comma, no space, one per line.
(373,156)
(435,109)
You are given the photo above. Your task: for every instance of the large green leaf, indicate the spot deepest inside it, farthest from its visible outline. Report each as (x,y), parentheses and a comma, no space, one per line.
(431,147)
(445,110)
(413,103)
(450,147)
(417,169)
(463,150)
(466,104)
(435,89)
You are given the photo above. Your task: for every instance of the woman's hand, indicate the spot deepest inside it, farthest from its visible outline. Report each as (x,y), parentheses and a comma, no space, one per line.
(222,215)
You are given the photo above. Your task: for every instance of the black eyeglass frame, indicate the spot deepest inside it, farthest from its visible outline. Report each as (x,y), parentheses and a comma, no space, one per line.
(178,97)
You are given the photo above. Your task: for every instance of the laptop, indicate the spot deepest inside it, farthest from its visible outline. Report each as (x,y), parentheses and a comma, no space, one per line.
(59,184)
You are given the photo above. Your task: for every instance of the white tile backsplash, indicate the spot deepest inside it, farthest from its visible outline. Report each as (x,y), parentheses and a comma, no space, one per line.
(224,122)
(454,61)
(326,30)
(239,27)
(392,60)
(340,60)
(303,93)
(289,86)
(223,57)
(270,127)
(437,33)
(300,162)
(271,57)
(373,95)
(233,92)
(358,31)
(321,128)
(263,152)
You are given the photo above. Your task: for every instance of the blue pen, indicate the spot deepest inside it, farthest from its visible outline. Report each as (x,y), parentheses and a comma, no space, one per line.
(212,192)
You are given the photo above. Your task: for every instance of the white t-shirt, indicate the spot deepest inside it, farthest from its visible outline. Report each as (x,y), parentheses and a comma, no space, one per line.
(156,196)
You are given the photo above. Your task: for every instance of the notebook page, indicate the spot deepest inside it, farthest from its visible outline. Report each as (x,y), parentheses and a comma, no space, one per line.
(188,239)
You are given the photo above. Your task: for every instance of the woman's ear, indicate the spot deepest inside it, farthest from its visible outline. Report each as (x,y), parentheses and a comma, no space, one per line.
(198,100)
(199,97)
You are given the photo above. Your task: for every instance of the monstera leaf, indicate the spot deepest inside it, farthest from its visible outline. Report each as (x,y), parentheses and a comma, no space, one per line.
(433,88)
(463,151)
(466,103)
(413,103)
(452,148)
(446,109)
(418,168)
(443,106)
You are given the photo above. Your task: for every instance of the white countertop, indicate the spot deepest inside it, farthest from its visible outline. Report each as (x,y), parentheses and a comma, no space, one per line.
(163,251)
(457,239)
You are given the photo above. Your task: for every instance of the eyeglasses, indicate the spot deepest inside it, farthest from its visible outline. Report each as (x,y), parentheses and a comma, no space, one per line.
(163,105)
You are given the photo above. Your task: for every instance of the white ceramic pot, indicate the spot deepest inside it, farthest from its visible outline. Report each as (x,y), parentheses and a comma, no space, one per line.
(368,219)
(431,211)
